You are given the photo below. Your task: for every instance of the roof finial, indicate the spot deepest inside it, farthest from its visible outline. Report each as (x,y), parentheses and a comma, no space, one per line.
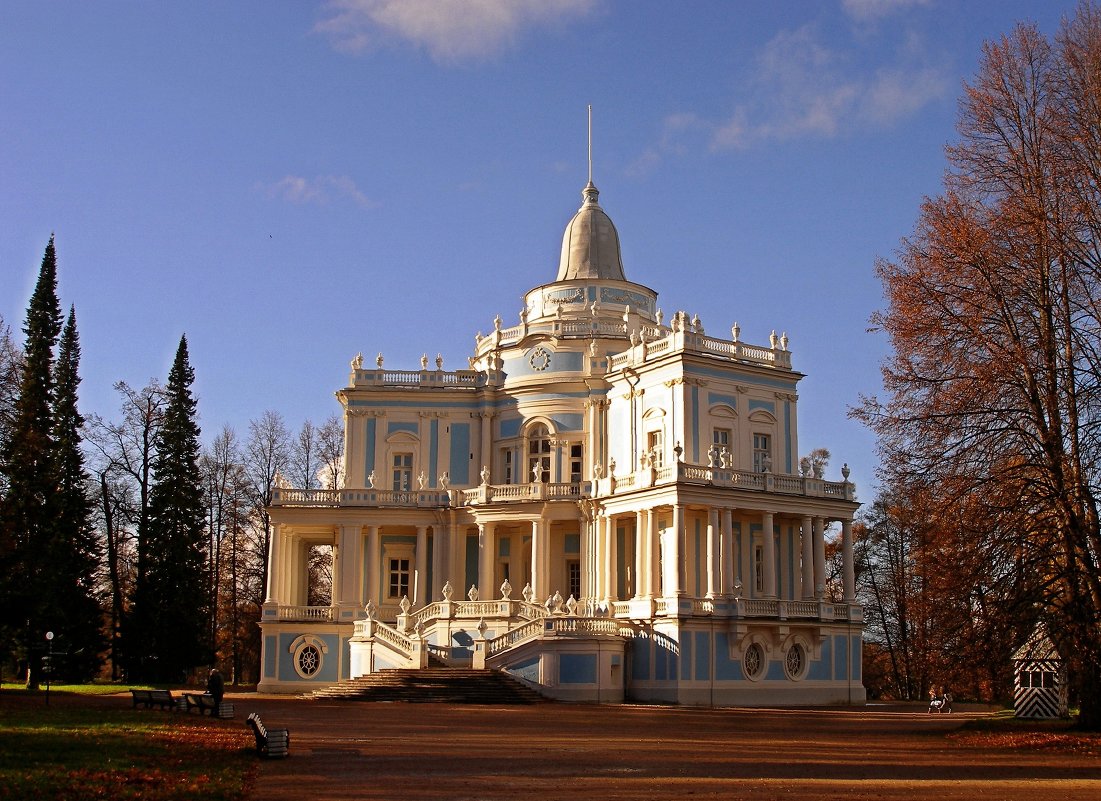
(590,143)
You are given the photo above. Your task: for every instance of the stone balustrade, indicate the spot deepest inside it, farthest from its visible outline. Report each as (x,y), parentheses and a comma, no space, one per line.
(777,483)
(688,342)
(320,614)
(421,378)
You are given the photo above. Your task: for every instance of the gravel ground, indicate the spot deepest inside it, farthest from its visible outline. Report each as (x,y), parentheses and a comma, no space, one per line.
(417,752)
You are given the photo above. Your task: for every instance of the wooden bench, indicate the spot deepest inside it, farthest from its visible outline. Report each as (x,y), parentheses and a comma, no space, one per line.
(201,701)
(150,698)
(270,743)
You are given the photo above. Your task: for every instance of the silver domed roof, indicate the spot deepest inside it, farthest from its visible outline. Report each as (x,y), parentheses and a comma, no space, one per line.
(590,245)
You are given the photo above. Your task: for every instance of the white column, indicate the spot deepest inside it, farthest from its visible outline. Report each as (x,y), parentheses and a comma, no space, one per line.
(847,559)
(768,555)
(349,552)
(653,588)
(439,561)
(728,552)
(537,578)
(807,573)
(675,576)
(591,453)
(487,562)
(748,569)
(642,572)
(420,579)
(276,568)
(714,554)
(374,573)
(819,559)
(611,565)
(599,551)
(485,456)
(456,569)
(302,573)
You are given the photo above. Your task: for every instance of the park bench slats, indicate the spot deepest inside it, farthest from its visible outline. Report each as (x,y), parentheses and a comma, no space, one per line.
(205,703)
(150,698)
(270,743)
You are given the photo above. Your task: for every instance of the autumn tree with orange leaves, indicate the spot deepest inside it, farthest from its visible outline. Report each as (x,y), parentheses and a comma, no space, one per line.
(993,409)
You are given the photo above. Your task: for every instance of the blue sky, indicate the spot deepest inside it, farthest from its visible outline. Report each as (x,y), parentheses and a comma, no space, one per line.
(290,183)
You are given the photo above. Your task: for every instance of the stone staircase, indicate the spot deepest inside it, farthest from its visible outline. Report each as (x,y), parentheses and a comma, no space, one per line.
(433,685)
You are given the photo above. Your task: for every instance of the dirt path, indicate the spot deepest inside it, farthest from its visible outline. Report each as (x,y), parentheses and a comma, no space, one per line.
(417,752)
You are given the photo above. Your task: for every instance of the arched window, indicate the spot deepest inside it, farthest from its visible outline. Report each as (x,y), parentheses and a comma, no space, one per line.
(539,453)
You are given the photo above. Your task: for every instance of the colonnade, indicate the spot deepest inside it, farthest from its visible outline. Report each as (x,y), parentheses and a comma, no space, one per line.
(657,557)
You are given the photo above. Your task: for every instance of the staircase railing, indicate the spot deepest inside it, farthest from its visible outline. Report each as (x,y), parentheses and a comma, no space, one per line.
(398,642)
(552,626)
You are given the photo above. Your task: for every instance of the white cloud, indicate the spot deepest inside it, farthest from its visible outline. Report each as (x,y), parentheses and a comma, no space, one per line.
(450,30)
(804,89)
(868,10)
(896,94)
(321,190)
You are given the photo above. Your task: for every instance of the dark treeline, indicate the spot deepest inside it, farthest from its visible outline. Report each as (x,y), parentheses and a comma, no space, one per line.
(143,552)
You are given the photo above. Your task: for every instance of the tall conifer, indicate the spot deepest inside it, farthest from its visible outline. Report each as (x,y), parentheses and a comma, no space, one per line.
(169,627)
(72,597)
(27,510)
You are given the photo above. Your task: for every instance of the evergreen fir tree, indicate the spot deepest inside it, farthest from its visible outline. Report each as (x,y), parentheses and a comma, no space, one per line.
(169,633)
(28,508)
(72,599)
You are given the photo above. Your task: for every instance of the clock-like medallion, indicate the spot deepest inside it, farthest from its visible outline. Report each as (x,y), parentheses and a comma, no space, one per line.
(539,359)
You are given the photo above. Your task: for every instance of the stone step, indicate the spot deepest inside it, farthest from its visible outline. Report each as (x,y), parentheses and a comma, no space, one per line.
(439,685)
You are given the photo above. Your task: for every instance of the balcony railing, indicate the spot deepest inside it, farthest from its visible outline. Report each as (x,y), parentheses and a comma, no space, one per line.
(775,483)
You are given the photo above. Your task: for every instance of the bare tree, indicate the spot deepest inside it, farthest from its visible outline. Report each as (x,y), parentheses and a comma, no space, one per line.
(122,460)
(266,454)
(303,465)
(10,361)
(219,465)
(331,441)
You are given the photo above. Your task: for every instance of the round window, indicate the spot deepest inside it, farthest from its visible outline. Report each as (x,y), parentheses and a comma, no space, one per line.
(309,660)
(753,662)
(795,661)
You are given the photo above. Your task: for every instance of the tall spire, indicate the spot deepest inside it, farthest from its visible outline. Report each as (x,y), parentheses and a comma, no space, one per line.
(590,245)
(590,143)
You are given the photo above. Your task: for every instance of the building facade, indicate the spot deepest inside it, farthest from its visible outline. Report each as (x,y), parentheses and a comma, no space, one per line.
(607,503)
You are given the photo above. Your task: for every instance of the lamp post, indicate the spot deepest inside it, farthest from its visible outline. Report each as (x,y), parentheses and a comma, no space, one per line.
(49,662)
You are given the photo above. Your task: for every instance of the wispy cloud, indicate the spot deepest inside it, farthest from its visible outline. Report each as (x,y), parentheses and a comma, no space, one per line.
(869,10)
(322,190)
(801,88)
(450,30)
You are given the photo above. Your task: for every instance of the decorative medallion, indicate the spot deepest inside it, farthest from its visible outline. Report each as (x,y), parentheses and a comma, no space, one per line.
(539,359)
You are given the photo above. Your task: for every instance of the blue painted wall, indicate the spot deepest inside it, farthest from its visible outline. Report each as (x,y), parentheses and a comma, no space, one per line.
(471,561)
(459,465)
(528,669)
(577,669)
(433,452)
(271,648)
(726,669)
(822,670)
(369,434)
(642,653)
(703,655)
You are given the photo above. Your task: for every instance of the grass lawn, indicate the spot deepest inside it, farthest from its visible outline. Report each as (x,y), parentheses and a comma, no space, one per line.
(87,748)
